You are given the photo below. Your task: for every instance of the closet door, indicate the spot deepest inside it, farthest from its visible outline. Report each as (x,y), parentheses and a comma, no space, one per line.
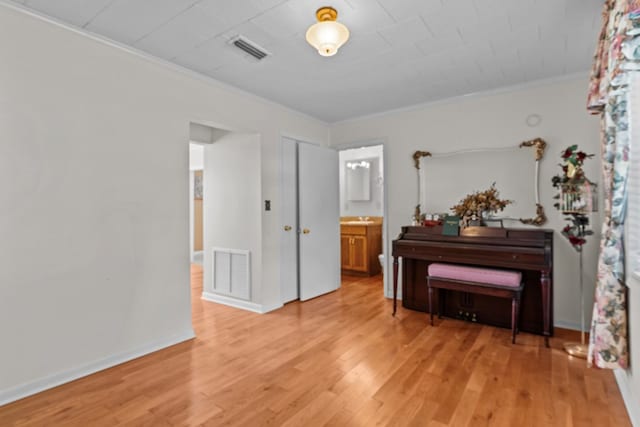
(289,231)
(319,219)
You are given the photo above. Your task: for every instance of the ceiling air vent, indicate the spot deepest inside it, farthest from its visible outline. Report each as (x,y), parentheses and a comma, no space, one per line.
(250,47)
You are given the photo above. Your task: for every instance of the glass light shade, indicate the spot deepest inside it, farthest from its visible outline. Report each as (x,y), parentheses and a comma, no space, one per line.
(327,37)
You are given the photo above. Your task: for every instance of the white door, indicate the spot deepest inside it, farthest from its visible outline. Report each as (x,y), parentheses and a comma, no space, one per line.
(289,247)
(319,220)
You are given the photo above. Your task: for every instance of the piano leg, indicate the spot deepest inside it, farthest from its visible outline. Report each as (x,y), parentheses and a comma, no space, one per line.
(545,283)
(395,283)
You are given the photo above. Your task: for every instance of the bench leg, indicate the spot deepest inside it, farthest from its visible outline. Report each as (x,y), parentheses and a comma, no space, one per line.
(518,314)
(441,299)
(431,304)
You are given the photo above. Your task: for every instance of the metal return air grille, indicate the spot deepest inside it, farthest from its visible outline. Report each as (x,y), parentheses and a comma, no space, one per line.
(250,48)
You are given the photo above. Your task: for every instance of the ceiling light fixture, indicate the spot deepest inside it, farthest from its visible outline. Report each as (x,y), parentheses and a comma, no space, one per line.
(327,35)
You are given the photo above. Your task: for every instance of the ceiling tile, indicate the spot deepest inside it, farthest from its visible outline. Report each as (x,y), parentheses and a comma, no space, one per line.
(212,54)
(236,12)
(76,12)
(487,9)
(284,21)
(127,21)
(442,27)
(367,16)
(182,33)
(362,46)
(252,32)
(406,32)
(401,10)
(432,46)
(498,27)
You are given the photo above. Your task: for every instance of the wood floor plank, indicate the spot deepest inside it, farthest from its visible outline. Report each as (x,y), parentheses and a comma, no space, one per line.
(337,360)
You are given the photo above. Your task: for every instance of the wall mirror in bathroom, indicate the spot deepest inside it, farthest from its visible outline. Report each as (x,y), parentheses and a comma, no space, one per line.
(446,178)
(358,179)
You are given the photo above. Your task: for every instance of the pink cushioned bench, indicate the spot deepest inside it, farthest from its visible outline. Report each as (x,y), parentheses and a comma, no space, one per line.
(475,280)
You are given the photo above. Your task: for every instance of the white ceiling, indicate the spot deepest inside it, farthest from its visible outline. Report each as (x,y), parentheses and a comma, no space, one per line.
(401,52)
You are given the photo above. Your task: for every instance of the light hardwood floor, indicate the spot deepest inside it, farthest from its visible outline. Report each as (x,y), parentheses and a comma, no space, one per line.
(338,360)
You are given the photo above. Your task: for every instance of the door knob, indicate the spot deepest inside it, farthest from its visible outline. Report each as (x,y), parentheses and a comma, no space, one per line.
(287,228)
(306,231)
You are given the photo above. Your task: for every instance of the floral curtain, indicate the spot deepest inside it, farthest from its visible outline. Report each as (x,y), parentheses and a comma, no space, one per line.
(617,57)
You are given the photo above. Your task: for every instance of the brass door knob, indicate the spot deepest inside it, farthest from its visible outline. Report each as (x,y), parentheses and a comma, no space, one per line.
(306,231)
(287,228)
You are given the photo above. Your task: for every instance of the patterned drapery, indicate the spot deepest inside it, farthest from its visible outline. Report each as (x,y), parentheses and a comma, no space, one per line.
(617,57)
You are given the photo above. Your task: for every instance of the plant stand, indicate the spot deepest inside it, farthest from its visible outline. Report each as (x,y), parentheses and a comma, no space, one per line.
(579,349)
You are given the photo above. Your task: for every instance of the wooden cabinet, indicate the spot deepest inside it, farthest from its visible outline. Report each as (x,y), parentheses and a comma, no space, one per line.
(360,245)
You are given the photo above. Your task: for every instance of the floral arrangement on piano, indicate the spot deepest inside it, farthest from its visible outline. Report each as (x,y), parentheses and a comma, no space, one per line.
(577,196)
(477,205)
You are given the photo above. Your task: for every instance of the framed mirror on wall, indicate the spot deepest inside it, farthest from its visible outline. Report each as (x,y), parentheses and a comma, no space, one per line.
(358,179)
(446,178)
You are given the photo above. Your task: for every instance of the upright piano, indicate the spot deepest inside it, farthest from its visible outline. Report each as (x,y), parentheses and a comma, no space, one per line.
(527,250)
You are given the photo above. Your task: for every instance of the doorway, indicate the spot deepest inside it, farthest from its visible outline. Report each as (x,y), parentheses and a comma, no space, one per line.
(196,202)
(362,213)
(231,271)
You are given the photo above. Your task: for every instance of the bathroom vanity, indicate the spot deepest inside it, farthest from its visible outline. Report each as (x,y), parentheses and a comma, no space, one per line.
(360,245)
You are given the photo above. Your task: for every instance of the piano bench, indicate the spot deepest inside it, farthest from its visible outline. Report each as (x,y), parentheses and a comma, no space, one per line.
(474,280)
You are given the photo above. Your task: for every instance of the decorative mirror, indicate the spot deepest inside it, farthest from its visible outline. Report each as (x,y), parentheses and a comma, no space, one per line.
(446,178)
(358,180)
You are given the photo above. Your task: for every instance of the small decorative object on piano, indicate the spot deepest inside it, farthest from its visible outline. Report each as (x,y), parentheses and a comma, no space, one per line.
(431,220)
(451,225)
(476,205)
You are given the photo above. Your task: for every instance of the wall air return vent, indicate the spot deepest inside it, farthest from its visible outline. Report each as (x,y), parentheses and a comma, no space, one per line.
(249,47)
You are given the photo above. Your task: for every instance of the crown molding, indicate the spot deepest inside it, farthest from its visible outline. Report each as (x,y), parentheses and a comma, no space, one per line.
(469,96)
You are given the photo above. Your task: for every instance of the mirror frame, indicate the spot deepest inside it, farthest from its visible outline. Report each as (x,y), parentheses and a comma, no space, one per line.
(538,144)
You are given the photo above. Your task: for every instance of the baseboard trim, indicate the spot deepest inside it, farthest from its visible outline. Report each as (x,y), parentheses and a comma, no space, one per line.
(241,304)
(629,399)
(568,325)
(51,381)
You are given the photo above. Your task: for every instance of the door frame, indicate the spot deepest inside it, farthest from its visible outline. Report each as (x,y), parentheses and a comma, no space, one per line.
(386,241)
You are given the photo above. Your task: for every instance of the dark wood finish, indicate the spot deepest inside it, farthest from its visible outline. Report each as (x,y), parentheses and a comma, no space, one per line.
(512,293)
(527,250)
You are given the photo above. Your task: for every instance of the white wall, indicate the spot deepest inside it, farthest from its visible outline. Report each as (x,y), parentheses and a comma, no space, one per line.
(196,157)
(232,203)
(492,120)
(373,206)
(95,249)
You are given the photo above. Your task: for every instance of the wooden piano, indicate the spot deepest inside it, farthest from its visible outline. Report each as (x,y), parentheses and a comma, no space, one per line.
(527,250)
